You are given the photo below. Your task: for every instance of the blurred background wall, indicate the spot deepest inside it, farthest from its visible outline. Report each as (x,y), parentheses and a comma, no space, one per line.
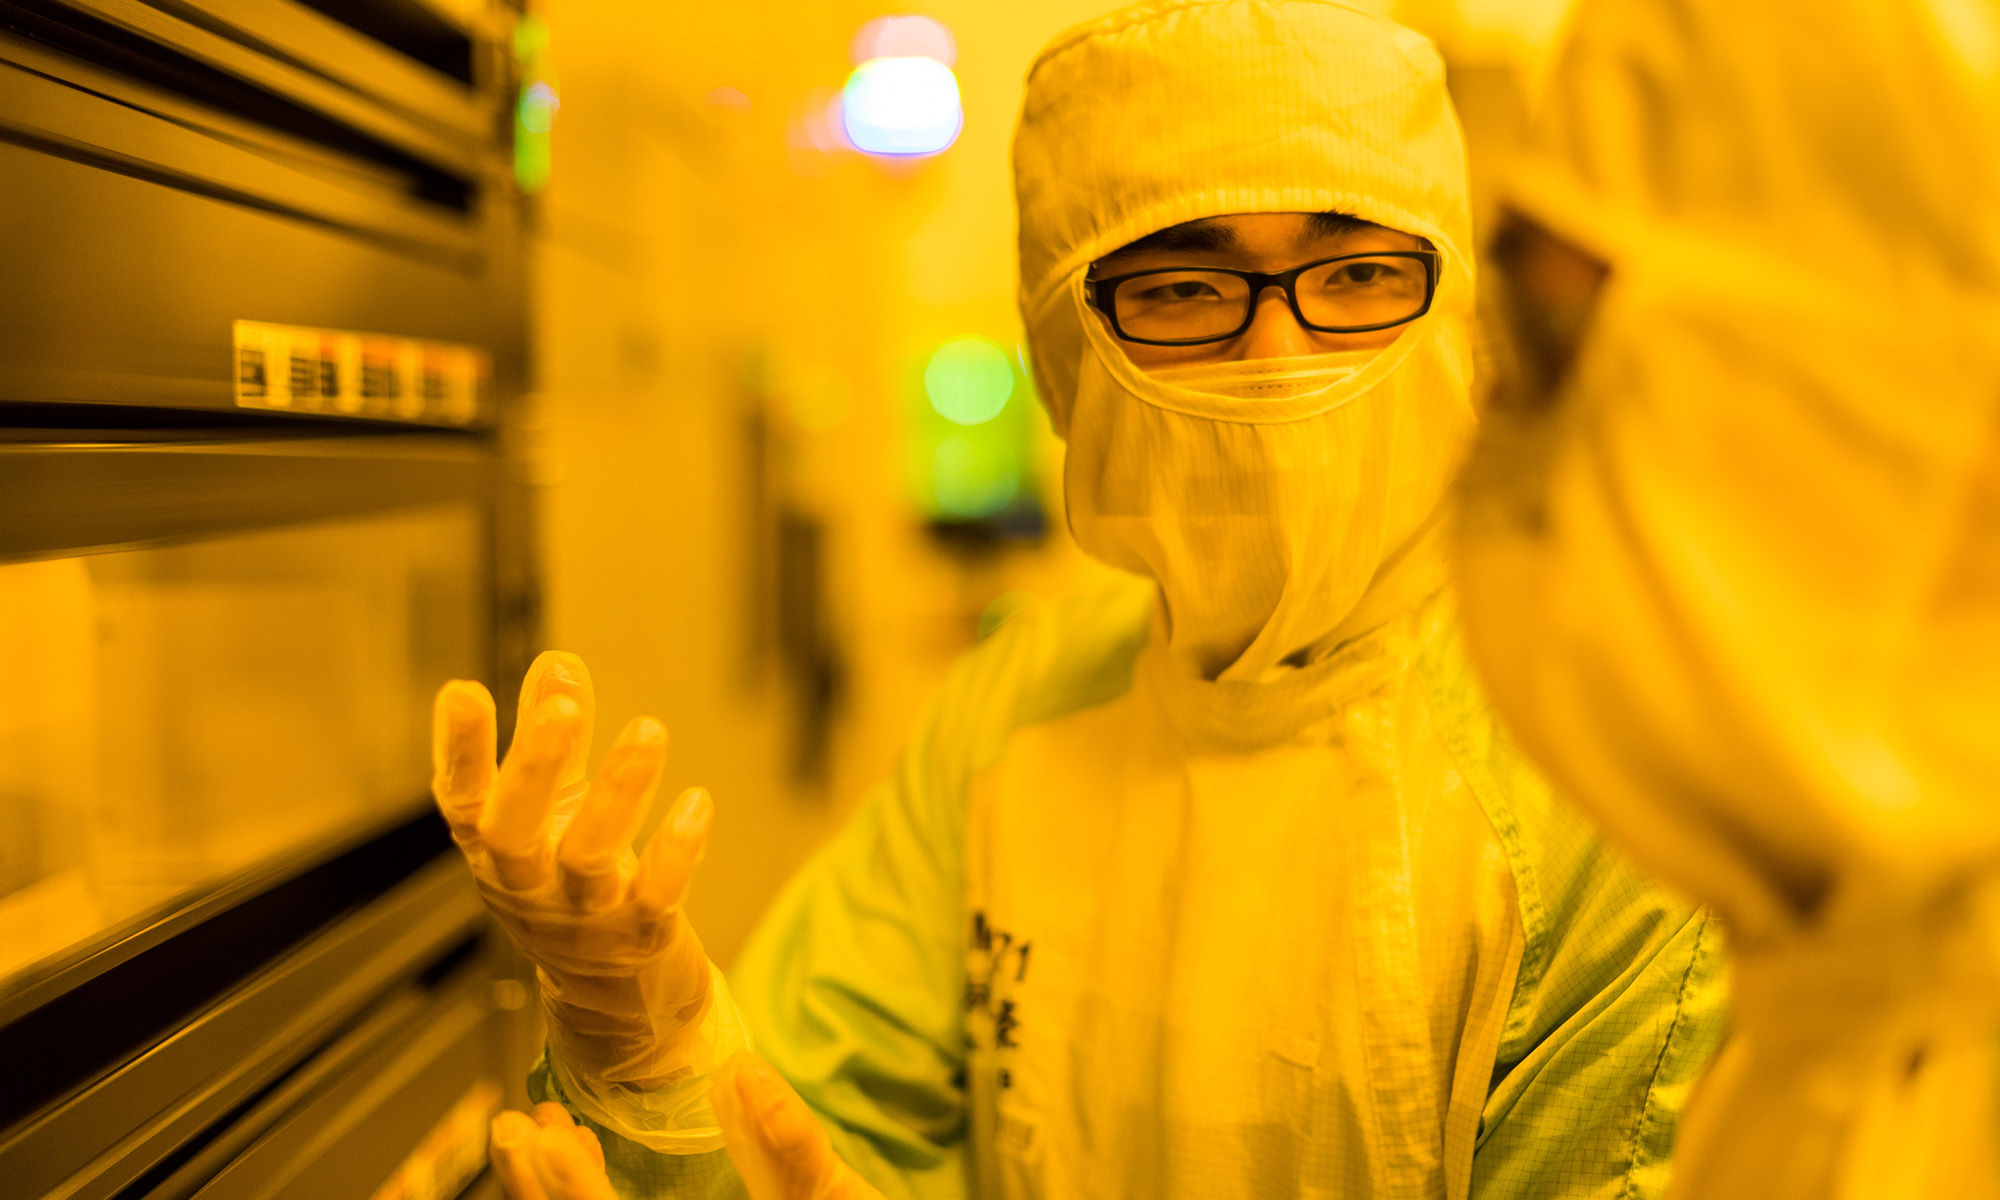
(757,523)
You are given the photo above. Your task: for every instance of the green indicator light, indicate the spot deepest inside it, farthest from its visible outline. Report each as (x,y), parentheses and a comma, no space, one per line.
(968,380)
(531,37)
(531,160)
(971,477)
(533,119)
(535,112)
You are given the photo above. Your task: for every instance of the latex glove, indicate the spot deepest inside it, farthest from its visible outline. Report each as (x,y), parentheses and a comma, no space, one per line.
(548,1157)
(629,996)
(775,1141)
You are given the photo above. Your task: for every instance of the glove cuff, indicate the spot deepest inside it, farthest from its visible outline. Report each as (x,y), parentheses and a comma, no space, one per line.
(673,1116)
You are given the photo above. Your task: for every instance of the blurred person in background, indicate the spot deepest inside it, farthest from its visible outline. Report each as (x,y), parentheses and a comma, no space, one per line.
(1730,547)
(1223,884)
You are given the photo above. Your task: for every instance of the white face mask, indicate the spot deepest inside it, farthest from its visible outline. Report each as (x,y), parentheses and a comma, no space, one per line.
(1263,496)
(1266,378)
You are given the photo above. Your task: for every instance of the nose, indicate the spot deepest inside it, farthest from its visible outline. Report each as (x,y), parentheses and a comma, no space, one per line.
(1274,332)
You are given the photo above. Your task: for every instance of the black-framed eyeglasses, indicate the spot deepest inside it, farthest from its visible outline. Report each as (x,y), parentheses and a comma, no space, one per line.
(1187,306)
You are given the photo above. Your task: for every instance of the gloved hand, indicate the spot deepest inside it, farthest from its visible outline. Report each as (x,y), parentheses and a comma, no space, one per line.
(549,1157)
(635,1028)
(775,1141)
(773,1138)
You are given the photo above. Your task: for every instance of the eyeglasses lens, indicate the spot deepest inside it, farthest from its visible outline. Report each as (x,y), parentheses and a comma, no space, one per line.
(1348,293)
(1354,293)
(1174,306)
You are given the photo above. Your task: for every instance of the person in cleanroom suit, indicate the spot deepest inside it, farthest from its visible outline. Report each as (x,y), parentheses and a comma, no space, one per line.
(1221,884)
(1730,550)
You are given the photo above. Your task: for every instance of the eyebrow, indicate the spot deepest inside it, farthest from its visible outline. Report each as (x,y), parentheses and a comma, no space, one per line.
(1327,224)
(1205,234)
(1209,234)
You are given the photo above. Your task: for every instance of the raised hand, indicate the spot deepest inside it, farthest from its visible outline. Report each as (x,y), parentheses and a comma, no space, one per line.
(625,983)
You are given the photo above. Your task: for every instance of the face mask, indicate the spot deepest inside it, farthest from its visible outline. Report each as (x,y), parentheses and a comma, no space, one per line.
(1265,378)
(1263,497)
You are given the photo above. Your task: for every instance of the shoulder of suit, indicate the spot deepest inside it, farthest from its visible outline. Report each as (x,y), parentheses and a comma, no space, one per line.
(1048,660)
(1567,873)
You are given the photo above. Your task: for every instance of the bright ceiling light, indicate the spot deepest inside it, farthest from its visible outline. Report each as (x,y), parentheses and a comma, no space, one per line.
(902,107)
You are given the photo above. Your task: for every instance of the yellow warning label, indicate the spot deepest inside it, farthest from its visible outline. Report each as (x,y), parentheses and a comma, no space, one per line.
(338,372)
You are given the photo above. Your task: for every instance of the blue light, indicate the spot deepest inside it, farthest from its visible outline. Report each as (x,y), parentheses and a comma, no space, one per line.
(902,107)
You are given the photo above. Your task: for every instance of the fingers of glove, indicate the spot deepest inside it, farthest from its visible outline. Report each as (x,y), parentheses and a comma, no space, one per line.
(776,1142)
(515,822)
(550,1115)
(596,844)
(566,1168)
(512,1155)
(560,673)
(462,746)
(667,867)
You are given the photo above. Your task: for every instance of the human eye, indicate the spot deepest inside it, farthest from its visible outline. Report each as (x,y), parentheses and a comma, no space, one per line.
(1172,290)
(1372,275)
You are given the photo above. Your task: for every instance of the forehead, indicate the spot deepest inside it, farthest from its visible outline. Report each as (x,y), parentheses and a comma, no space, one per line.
(1247,232)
